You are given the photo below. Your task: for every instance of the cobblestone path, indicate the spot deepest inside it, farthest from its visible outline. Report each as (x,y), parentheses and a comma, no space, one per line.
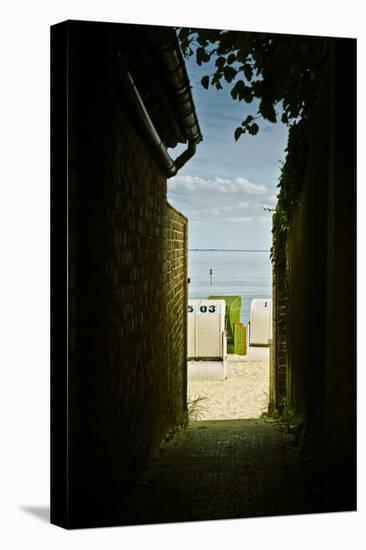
(220,470)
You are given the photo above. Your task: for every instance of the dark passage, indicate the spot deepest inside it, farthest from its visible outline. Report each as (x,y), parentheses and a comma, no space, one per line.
(220,470)
(119,318)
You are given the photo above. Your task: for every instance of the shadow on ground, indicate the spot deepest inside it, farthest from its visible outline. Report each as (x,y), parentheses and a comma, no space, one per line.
(40,512)
(220,470)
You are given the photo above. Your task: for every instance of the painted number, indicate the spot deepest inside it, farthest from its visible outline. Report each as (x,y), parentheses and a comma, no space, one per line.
(203,309)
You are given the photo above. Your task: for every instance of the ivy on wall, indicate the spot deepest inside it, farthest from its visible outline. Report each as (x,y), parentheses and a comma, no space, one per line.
(290,184)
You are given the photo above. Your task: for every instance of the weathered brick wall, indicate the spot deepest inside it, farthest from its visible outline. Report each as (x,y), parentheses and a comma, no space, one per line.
(306,256)
(339,433)
(127,287)
(177,300)
(278,367)
(320,315)
(299,289)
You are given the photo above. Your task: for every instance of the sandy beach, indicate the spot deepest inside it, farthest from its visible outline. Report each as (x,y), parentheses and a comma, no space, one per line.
(244,394)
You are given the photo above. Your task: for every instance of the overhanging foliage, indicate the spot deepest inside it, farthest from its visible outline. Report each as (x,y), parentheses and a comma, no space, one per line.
(284,73)
(281,71)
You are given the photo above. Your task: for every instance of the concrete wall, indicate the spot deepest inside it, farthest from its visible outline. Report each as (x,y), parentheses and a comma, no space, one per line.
(127,287)
(321,265)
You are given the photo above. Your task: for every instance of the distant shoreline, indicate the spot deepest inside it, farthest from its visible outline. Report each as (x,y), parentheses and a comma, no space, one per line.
(224,250)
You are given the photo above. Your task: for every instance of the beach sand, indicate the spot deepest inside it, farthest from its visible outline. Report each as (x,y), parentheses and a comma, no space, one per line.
(244,394)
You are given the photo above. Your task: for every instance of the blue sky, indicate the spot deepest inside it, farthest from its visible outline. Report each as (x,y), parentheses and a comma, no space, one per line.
(224,187)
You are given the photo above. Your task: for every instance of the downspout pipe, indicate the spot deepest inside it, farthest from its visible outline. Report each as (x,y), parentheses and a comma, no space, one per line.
(171,166)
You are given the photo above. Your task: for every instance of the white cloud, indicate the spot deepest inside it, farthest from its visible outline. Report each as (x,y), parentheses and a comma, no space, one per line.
(240,219)
(223,210)
(219,200)
(196,218)
(196,184)
(265,219)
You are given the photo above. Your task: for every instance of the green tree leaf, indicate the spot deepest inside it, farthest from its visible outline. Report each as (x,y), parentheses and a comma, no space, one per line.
(229,73)
(240,91)
(273,68)
(267,110)
(216,82)
(247,94)
(248,71)
(202,56)
(205,82)
(253,129)
(231,58)
(220,62)
(247,121)
(237,90)
(238,132)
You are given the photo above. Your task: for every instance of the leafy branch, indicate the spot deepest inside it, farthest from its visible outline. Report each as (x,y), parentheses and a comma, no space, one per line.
(274,69)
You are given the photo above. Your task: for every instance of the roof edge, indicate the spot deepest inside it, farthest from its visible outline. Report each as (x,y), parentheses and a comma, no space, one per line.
(166,40)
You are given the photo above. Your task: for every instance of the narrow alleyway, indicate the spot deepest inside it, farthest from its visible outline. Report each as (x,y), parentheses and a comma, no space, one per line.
(219,470)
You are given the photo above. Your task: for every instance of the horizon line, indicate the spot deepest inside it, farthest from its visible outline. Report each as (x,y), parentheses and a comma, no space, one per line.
(233,249)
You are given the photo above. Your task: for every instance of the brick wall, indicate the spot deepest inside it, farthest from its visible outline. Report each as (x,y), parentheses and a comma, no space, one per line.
(320,327)
(177,300)
(279,362)
(299,288)
(127,288)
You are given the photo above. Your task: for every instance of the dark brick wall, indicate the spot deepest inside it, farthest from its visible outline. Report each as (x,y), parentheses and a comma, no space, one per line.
(320,327)
(340,338)
(177,302)
(306,255)
(279,361)
(299,288)
(127,286)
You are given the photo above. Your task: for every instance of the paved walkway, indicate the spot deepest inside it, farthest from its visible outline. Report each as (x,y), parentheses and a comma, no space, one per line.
(244,394)
(220,470)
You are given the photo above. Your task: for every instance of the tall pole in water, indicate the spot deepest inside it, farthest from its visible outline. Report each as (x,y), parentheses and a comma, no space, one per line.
(210,277)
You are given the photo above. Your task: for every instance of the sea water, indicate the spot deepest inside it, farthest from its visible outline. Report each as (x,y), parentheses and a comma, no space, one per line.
(244,273)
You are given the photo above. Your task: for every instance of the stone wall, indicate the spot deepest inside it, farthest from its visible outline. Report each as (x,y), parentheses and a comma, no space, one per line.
(127,288)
